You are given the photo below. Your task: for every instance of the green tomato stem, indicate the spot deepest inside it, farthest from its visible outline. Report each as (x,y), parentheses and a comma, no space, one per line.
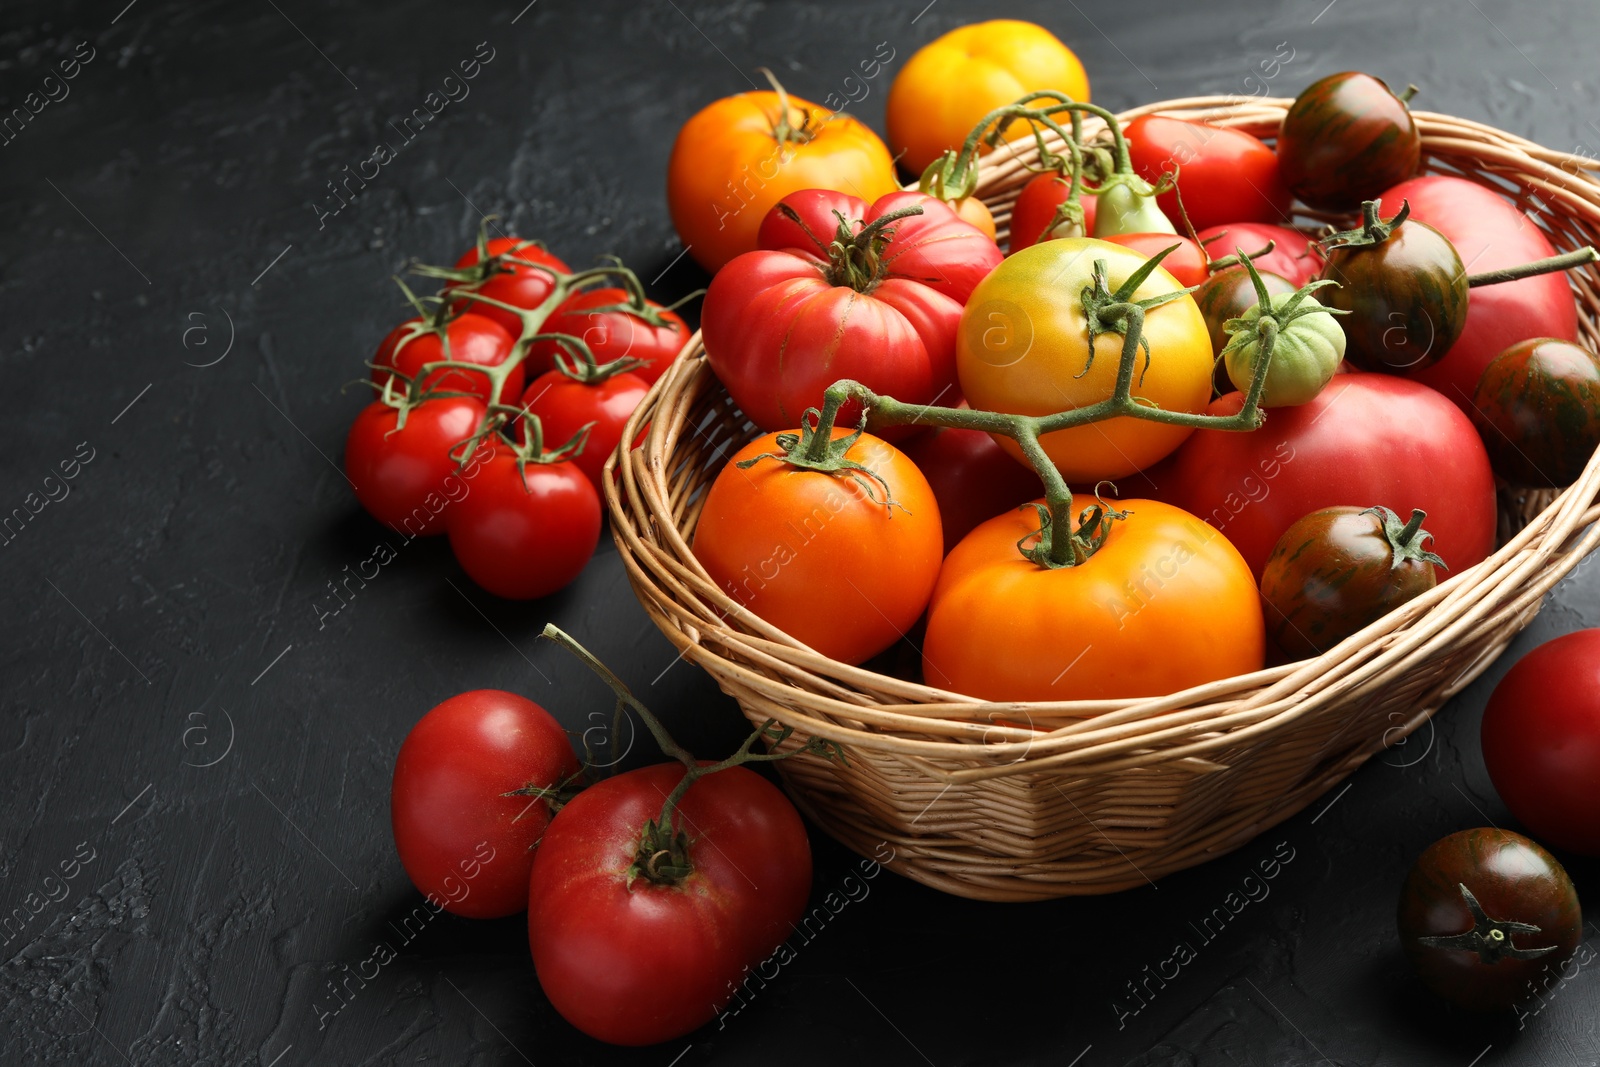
(1550,265)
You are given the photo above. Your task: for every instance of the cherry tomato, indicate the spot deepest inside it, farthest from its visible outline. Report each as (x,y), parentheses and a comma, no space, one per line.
(516,278)
(1223,175)
(1165,604)
(466,844)
(471,339)
(1228,294)
(821,556)
(972,478)
(1035,210)
(952,82)
(1253,486)
(1538,409)
(598,316)
(405,476)
(523,535)
(1541,741)
(1485,916)
(1294,255)
(633,962)
(565,406)
(1189,263)
(1345,139)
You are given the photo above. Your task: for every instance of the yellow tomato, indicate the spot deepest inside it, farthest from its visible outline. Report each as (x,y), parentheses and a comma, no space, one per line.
(1022,348)
(947,87)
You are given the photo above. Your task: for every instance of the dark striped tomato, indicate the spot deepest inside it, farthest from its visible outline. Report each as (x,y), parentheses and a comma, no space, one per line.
(1228,294)
(1537,407)
(1406,294)
(1346,139)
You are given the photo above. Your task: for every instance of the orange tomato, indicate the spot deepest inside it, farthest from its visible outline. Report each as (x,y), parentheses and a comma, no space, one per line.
(976,212)
(742,154)
(1165,604)
(820,555)
(950,84)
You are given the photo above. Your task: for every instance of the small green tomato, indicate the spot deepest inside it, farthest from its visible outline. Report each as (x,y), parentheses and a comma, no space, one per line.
(1308,350)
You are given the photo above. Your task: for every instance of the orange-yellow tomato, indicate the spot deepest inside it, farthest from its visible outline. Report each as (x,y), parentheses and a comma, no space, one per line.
(975,211)
(1023,347)
(950,84)
(820,555)
(729,166)
(1165,604)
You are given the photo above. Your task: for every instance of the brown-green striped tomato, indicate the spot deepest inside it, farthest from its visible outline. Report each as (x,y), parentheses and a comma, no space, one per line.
(1537,407)
(1406,294)
(1305,355)
(1346,139)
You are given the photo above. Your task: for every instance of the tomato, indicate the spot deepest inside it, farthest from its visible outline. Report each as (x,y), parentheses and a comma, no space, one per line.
(1309,347)
(602,318)
(1165,604)
(471,339)
(634,962)
(1022,349)
(1035,210)
(972,478)
(513,275)
(1384,440)
(1538,409)
(523,535)
(465,843)
(975,213)
(1489,233)
(1340,569)
(1228,294)
(949,85)
(405,476)
(740,155)
(565,406)
(1189,263)
(1223,175)
(1294,255)
(1345,139)
(1541,741)
(820,555)
(1488,918)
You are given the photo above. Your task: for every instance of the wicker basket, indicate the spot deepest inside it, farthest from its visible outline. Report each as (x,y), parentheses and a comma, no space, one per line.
(1105,795)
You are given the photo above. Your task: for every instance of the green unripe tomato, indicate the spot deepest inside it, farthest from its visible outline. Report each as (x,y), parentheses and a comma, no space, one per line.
(1304,358)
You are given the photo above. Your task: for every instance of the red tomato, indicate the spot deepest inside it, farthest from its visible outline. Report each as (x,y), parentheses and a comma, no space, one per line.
(565,406)
(1294,255)
(612,334)
(1489,233)
(1224,175)
(472,339)
(1541,741)
(1035,209)
(972,478)
(1188,263)
(405,477)
(641,963)
(466,845)
(1385,440)
(523,536)
(517,280)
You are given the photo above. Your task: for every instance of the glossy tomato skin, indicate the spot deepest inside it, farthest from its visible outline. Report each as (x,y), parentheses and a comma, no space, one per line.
(1513,880)
(464,843)
(634,965)
(1332,574)
(472,339)
(564,406)
(1228,294)
(524,536)
(813,555)
(518,281)
(1187,263)
(950,84)
(972,477)
(1345,139)
(1407,298)
(1035,209)
(1022,348)
(1541,741)
(611,335)
(1537,407)
(728,168)
(1223,175)
(1294,255)
(1165,604)
(1384,440)
(1491,234)
(405,477)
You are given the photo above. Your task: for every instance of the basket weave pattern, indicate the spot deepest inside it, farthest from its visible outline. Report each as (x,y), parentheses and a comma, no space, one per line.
(1100,795)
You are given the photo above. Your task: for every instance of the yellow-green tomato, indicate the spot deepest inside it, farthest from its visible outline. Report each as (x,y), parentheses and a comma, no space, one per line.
(1305,355)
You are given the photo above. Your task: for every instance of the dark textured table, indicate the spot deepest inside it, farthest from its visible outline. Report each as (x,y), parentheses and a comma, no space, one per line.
(194,735)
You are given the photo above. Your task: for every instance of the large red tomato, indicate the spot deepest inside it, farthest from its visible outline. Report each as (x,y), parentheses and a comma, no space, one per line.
(1489,233)
(1294,255)
(1366,439)
(1224,175)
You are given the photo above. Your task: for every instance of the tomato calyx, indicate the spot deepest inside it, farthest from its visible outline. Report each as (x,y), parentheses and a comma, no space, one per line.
(1044,545)
(784,131)
(1407,540)
(813,450)
(855,257)
(1489,938)
(1258,330)
(556,795)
